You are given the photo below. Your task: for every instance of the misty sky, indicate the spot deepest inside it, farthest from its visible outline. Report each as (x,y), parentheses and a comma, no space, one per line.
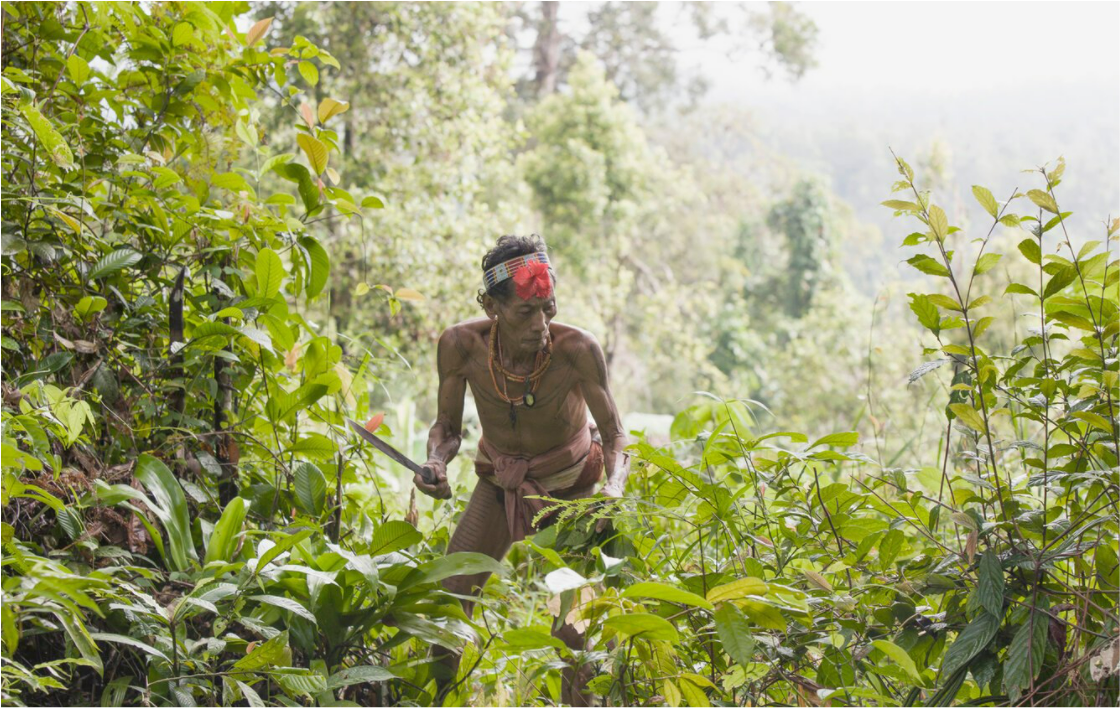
(946,47)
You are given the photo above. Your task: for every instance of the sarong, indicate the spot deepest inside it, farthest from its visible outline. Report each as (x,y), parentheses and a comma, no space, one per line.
(576,465)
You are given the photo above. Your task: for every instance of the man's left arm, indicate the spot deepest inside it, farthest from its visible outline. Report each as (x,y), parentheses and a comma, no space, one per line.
(591,366)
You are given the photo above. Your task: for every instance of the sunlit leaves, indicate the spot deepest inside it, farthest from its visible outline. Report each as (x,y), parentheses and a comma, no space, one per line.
(938,222)
(969,416)
(315,151)
(257,31)
(642,626)
(1043,200)
(329,108)
(986,262)
(270,272)
(986,200)
(927,313)
(927,265)
(52,141)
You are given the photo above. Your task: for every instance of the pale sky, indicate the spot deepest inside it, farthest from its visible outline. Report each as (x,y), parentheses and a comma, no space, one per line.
(948,47)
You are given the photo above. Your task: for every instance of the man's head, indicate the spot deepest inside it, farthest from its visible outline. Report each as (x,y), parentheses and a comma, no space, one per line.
(525,303)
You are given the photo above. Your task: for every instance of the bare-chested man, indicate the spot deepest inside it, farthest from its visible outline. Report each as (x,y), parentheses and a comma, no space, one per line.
(533,382)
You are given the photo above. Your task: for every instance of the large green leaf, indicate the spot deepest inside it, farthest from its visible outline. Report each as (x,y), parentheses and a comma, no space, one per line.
(990,582)
(970,642)
(311,489)
(273,652)
(270,273)
(48,136)
(452,564)
(393,536)
(285,603)
(737,589)
(669,593)
(223,540)
(112,262)
(170,507)
(643,626)
(319,266)
(734,633)
(1027,651)
(899,655)
(358,674)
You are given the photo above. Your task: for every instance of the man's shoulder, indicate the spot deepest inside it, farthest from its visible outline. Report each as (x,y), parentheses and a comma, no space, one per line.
(458,341)
(571,341)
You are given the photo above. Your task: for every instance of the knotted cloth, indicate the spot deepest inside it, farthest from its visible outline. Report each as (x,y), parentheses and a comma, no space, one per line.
(576,464)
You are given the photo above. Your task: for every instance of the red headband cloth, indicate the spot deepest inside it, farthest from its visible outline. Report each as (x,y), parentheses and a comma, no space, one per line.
(529,272)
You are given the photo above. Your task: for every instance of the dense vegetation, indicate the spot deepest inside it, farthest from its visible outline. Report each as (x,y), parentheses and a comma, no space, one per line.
(194,302)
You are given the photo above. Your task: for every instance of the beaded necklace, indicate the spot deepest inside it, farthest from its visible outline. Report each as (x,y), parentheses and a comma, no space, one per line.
(531,380)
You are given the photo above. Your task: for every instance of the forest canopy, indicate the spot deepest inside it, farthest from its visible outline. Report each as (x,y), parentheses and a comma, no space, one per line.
(229,228)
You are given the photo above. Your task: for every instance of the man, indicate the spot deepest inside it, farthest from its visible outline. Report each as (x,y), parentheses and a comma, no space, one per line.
(533,382)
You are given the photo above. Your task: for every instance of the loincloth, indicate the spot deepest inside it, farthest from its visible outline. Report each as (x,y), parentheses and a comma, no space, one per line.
(572,467)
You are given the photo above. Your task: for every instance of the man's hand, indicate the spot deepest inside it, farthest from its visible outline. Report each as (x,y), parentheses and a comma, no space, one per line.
(438,489)
(609,492)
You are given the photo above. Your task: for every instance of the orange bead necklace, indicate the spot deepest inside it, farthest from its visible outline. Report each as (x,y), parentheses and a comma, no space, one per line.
(532,380)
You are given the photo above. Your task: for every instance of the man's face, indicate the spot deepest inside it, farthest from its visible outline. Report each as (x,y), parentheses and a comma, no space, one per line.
(525,322)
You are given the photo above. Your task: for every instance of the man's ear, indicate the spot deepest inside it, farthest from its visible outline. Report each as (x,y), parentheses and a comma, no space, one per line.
(490,305)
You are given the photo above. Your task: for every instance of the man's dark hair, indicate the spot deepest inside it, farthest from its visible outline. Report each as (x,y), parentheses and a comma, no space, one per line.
(507,248)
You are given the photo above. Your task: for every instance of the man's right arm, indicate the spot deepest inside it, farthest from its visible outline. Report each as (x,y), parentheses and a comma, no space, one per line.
(447,432)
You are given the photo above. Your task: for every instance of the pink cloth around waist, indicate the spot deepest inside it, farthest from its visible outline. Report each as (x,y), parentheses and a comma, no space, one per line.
(521,476)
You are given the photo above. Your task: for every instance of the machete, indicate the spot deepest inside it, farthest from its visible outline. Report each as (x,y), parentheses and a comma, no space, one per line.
(389,450)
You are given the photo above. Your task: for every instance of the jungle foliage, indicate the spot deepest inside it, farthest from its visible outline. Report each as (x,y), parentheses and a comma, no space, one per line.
(187,519)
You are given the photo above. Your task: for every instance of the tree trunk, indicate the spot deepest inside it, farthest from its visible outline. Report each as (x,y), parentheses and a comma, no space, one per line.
(546,51)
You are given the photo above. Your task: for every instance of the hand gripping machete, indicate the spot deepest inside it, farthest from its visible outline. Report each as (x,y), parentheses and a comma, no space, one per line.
(389,450)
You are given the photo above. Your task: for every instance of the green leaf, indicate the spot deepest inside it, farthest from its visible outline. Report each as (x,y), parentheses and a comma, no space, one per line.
(286,542)
(661,591)
(309,72)
(737,589)
(899,655)
(452,564)
(145,647)
(990,581)
(890,547)
(734,633)
(78,69)
(358,674)
(927,313)
(270,273)
(319,266)
(986,200)
(1043,200)
(1060,280)
(308,189)
(1030,249)
(273,652)
(938,222)
(311,489)
(838,440)
(112,262)
(285,603)
(171,508)
(527,639)
(283,404)
(643,626)
(969,416)
(900,205)
(1027,650)
(223,540)
(986,262)
(1019,289)
(970,642)
(316,151)
(393,536)
(372,202)
(928,266)
(329,108)
(51,140)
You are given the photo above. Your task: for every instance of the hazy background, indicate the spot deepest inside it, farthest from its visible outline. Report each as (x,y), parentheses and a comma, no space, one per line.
(709,179)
